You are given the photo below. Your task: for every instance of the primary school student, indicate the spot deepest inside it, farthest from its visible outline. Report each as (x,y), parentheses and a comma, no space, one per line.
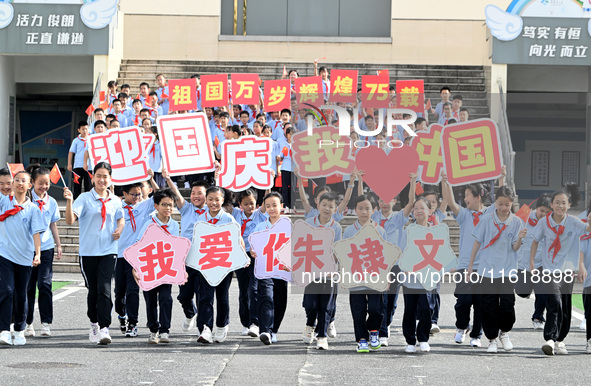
(101,223)
(21,226)
(42,275)
(498,238)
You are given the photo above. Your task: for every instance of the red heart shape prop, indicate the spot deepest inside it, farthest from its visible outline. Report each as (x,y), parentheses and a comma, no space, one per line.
(387,174)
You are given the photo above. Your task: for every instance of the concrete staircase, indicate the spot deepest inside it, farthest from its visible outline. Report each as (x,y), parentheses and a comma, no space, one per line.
(69,240)
(470,81)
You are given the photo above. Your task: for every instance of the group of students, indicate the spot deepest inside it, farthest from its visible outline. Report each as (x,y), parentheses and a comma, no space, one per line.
(493,242)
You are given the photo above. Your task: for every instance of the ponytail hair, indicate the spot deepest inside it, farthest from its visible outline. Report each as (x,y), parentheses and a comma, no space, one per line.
(571,191)
(505,191)
(36,170)
(544,200)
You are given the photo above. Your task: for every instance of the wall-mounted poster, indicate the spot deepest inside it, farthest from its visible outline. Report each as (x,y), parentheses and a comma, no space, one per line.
(571,167)
(540,168)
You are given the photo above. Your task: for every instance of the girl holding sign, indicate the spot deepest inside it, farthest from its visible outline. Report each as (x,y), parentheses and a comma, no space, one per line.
(101,222)
(214,214)
(499,233)
(41,275)
(560,259)
(271,293)
(21,224)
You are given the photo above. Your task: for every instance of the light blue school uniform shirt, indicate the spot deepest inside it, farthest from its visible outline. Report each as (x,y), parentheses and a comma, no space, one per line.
(499,259)
(141,214)
(153,112)
(465,220)
(255,219)
(332,224)
(585,247)
(94,240)
(338,216)
(189,215)
(171,226)
(222,218)
(50,213)
(155,157)
(16,231)
(165,104)
(78,147)
(393,225)
(567,257)
(583,215)
(123,120)
(286,163)
(524,253)
(277,133)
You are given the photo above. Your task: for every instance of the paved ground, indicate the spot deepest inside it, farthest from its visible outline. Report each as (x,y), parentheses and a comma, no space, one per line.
(68,356)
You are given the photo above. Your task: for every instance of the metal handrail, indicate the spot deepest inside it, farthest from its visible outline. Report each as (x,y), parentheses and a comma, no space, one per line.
(506,145)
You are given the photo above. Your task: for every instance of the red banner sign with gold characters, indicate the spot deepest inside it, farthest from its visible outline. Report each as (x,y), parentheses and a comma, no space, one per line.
(375,91)
(471,152)
(182,94)
(309,90)
(428,145)
(322,153)
(343,86)
(214,90)
(245,89)
(410,94)
(277,95)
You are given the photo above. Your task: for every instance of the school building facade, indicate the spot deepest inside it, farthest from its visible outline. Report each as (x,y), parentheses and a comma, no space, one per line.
(524,63)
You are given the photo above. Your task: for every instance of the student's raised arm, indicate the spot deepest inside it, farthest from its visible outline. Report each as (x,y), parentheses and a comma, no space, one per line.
(348,193)
(448,194)
(411,194)
(316,67)
(153,183)
(502,178)
(180,201)
(305,202)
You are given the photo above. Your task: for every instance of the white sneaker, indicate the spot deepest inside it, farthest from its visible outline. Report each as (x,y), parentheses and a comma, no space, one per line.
(244,332)
(492,346)
(265,337)
(424,346)
(460,336)
(505,341)
(29,331)
(253,331)
(308,335)
(560,348)
(220,334)
(383,341)
(205,336)
(45,330)
(583,325)
(104,337)
(538,324)
(164,337)
(410,349)
(93,334)
(273,337)
(332,330)
(19,338)
(589,346)
(322,344)
(153,338)
(189,324)
(6,338)
(434,329)
(548,347)
(475,342)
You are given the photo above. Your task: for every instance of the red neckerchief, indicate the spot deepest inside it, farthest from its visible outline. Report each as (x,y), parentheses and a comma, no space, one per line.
(532,221)
(212,221)
(153,151)
(586,237)
(500,229)
(476,217)
(131,216)
(432,219)
(10,212)
(103,211)
(556,244)
(320,225)
(164,227)
(200,211)
(83,140)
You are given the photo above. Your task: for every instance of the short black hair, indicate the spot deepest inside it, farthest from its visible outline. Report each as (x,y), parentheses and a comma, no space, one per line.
(244,112)
(128,187)
(82,123)
(144,84)
(273,194)
(103,165)
(365,197)
(329,196)
(224,114)
(444,88)
(100,122)
(163,193)
(5,172)
(200,183)
(122,95)
(458,97)
(125,85)
(286,111)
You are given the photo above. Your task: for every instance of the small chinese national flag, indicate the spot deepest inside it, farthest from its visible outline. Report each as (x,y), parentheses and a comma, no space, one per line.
(15,168)
(89,110)
(103,96)
(428,106)
(523,213)
(216,142)
(419,189)
(76,178)
(89,173)
(55,175)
